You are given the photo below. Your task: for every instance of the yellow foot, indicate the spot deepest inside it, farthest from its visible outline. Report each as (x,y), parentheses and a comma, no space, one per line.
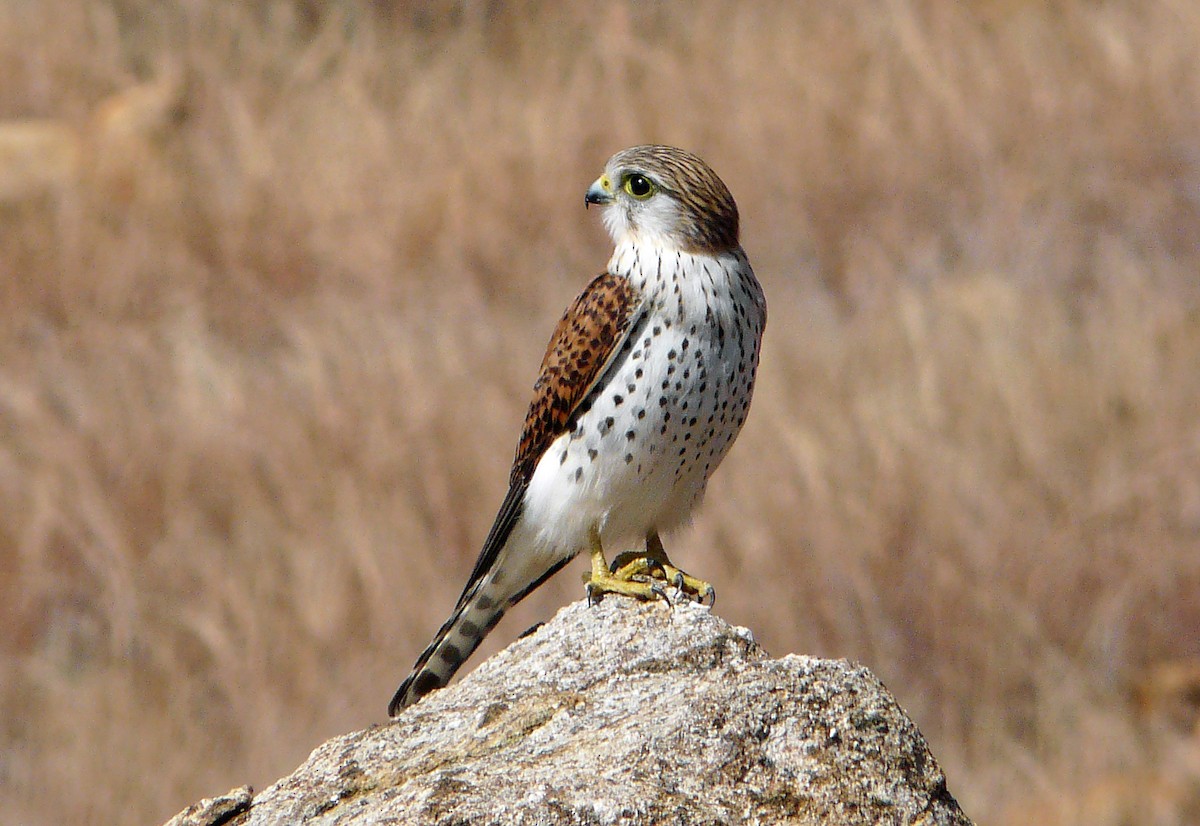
(607,583)
(642,574)
(602,580)
(633,565)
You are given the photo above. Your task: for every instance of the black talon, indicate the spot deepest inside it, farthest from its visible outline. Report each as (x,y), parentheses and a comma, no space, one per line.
(712,594)
(680,594)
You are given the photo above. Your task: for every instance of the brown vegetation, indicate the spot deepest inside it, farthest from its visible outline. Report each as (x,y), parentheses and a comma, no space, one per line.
(255,417)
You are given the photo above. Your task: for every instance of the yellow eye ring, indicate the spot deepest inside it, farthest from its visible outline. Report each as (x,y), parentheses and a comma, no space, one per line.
(639,186)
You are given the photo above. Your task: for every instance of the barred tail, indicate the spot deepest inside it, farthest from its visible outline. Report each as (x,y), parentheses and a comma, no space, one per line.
(457,639)
(477,613)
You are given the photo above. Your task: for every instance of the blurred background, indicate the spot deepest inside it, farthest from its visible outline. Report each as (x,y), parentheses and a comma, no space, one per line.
(275,279)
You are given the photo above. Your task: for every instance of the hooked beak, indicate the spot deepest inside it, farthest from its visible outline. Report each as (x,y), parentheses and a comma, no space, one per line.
(600,192)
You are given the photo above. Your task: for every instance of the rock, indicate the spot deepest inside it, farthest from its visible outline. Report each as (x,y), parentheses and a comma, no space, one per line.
(215,811)
(630,713)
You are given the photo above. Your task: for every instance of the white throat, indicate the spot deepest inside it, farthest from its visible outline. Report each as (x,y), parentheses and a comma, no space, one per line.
(656,224)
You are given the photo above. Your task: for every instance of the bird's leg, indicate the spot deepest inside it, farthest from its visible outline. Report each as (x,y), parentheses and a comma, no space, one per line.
(653,563)
(603,581)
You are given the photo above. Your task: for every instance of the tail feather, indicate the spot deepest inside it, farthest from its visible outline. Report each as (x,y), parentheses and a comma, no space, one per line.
(454,643)
(477,613)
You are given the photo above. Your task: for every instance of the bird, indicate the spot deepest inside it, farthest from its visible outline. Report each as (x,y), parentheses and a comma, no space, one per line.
(644,386)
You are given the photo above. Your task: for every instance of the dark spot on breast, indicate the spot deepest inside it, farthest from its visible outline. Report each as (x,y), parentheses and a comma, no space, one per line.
(450,654)
(469,629)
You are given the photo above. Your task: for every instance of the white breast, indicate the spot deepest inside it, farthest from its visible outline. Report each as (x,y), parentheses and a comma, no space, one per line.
(666,413)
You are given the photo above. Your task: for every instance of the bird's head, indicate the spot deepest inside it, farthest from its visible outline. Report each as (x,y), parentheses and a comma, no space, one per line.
(666,197)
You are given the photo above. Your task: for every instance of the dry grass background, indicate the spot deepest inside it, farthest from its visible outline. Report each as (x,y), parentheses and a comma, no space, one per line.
(264,358)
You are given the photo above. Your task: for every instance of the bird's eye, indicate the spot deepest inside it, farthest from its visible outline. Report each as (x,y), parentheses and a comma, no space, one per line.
(639,186)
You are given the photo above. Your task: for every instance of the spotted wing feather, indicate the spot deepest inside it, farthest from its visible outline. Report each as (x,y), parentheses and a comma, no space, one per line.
(589,337)
(583,345)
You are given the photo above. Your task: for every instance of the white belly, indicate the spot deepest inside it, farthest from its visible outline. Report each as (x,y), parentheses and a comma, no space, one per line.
(639,459)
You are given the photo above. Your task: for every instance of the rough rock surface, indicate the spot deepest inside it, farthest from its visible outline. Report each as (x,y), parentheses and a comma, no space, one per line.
(629,713)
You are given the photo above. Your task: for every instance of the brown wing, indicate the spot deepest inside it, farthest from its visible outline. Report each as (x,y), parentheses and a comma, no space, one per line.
(584,343)
(590,335)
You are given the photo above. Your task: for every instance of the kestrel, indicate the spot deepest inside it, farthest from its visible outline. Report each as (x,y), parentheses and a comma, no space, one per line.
(644,386)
